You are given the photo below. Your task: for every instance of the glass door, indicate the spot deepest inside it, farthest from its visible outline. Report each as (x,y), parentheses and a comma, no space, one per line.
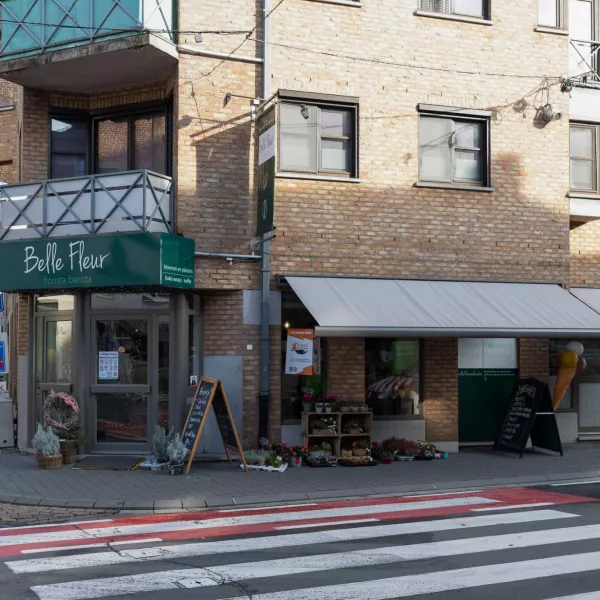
(53,358)
(130,375)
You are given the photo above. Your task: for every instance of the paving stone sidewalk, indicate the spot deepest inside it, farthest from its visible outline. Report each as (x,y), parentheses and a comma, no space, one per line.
(15,515)
(222,485)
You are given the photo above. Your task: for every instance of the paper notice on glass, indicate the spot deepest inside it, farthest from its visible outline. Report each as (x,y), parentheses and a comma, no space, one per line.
(108,366)
(299,355)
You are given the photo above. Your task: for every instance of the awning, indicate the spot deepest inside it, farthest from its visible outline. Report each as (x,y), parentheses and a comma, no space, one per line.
(589,296)
(346,307)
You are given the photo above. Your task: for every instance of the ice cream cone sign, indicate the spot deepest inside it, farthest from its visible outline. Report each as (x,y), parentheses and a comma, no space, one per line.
(569,362)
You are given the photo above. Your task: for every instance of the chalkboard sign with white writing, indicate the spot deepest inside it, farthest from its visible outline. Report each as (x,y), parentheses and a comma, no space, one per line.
(210,393)
(523,418)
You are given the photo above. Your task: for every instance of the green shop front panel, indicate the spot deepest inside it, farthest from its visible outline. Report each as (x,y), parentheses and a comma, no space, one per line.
(104,261)
(487,371)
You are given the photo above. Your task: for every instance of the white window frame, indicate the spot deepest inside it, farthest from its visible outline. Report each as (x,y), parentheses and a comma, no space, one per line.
(429,6)
(595,128)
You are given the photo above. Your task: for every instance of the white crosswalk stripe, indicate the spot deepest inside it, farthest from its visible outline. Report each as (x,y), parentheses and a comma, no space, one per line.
(338,563)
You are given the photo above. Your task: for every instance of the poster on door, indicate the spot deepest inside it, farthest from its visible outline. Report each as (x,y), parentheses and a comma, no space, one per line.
(299,355)
(108,366)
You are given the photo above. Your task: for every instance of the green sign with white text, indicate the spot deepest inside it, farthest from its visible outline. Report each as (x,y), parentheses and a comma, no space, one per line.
(103,261)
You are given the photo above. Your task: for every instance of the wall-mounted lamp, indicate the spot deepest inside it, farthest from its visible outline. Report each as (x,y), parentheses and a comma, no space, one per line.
(304,111)
(548,114)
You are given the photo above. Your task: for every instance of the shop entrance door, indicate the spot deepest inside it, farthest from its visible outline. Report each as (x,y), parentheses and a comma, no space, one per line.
(130,380)
(53,358)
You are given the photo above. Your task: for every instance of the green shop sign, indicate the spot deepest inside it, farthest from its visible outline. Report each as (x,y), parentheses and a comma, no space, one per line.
(121,260)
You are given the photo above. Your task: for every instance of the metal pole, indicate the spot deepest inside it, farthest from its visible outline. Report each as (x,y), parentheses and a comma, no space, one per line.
(265,319)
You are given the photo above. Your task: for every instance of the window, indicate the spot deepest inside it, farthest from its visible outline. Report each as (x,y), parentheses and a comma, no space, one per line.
(131,142)
(552,13)
(584,167)
(392,376)
(317,138)
(68,147)
(466,8)
(453,150)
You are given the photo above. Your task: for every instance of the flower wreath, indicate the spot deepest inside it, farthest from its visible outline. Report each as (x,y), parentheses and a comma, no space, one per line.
(66,406)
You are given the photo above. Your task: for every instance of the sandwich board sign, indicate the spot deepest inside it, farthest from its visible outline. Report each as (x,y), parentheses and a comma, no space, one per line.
(210,394)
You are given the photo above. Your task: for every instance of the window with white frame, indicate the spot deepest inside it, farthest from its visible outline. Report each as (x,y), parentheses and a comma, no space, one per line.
(467,8)
(552,13)
(584,163)
(453,150)
(317,138)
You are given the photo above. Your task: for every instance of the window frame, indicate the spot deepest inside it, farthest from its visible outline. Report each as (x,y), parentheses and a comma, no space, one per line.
(131,113)
(322,102)
(562,16)
(455,115)
(69,115)
(595,128)
(487,10)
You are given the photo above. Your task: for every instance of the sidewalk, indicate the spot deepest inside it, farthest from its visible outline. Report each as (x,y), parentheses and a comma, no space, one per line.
(223,485)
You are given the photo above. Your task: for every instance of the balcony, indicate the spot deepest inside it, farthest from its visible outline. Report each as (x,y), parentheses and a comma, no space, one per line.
(86,45)
(129,202)
(584,79)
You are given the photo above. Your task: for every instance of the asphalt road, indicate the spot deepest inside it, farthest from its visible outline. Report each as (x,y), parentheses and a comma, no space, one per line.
(534,544)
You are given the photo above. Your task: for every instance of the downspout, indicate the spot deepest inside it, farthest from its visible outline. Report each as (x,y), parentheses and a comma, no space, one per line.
(265,316)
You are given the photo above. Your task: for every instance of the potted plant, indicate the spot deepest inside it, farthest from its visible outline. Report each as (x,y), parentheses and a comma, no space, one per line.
(160,442)
(48,445)
(314,451)
(307,402)
(376,450)
(353,427)
(386,458)
(333,401)
(344,407)
(273,460)
(176,452)
(280,448)
(296,454)
(61,412)
(256,458)
(359,448)
(346,453)
(328,407)
(354,407)
(319,407)
(327,449)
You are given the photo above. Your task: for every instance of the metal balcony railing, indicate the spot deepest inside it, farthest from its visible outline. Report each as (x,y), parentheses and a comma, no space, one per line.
(30,27)
(583,63)
(113,203)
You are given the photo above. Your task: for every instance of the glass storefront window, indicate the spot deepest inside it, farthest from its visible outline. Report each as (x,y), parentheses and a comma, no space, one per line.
(122,351)
(58,351)
(392,376)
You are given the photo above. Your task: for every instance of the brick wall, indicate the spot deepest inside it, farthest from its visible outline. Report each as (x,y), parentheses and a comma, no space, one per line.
(345,368)
(585,255)
(8,132)
(534,358)
(440,389)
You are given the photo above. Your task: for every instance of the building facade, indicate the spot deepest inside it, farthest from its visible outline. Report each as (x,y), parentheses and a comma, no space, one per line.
(435,193)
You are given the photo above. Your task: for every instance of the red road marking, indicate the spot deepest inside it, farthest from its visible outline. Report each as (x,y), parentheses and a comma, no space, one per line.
(511,497)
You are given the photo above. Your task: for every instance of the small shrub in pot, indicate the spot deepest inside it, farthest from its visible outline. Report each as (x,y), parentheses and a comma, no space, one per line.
(176,451)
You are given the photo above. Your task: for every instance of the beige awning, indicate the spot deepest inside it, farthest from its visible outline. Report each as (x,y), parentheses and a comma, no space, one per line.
(352,307)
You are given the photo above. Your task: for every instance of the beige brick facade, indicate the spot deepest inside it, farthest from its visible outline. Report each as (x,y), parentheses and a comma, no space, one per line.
(380,224)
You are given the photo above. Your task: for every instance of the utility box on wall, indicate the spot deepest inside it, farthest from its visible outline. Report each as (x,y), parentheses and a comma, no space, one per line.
(7,436)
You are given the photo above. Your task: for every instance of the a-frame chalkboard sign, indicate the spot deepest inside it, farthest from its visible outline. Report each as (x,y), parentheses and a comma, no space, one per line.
(210,394)
(529,415)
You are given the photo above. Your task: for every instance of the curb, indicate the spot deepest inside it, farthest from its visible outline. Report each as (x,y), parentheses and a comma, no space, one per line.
(216,502)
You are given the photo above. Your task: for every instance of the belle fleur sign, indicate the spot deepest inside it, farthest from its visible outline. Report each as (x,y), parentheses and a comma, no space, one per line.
(121,260)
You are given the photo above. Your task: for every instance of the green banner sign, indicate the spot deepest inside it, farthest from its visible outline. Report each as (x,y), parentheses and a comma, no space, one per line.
(120,260)
(266,172)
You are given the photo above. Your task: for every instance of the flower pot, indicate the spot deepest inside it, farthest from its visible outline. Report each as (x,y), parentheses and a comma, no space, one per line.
(68,449)
(345,409)
(54,462)
(295,462)
(315,453)
(354,409)
(307,406)
(176,469)
(40,459)
(328,409)
(346,453)
(386,461)
(319,409)
(356,431)
(321,432)
(359,451)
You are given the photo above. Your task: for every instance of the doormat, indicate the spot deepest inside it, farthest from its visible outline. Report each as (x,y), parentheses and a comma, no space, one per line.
(108,463)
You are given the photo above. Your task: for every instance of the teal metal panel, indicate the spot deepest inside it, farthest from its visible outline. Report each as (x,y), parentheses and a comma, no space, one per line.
(32,27)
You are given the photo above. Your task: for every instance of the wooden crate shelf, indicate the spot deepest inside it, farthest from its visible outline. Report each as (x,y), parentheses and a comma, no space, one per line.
(335,439)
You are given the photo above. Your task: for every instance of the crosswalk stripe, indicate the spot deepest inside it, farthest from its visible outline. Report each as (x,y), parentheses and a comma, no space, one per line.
(86,546)
(164,580)
(443,581)
(328,524)
(78,561)
(590,596)
(156,528)
(512,506)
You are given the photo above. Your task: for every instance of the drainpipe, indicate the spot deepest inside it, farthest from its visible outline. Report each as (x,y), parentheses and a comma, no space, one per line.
(265,318)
